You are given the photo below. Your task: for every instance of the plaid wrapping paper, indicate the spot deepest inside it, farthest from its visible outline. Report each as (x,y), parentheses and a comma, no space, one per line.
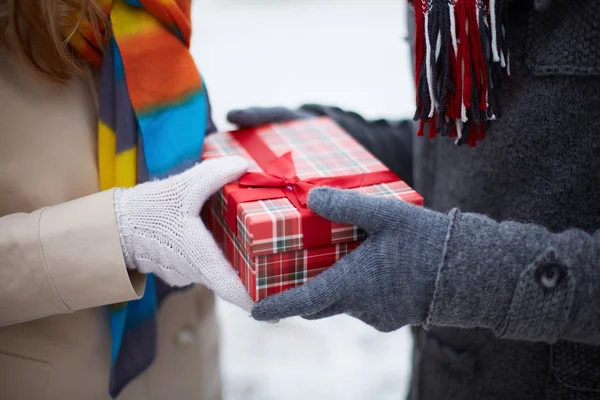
(320,148)
(270,274)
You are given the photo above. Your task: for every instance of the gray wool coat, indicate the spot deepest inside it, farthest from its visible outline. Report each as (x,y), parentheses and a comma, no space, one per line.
(539,164)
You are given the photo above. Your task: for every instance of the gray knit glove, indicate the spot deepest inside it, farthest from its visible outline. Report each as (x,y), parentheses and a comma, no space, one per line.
(256,116)
(388,282)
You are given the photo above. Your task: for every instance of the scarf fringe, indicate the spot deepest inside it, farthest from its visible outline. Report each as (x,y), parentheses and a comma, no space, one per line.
(460,59)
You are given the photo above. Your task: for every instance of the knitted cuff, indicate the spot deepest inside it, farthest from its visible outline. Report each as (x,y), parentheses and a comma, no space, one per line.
(506,276)
(121,223)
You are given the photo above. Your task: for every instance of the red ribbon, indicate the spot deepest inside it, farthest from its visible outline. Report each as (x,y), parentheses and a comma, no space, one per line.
(281,173)
(279,180)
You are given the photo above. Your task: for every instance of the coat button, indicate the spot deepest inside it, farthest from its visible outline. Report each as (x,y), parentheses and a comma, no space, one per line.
(185,336)
(548,276)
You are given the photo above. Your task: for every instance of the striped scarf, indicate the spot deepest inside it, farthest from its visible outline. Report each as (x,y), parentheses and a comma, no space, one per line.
(460,59)
(153,118)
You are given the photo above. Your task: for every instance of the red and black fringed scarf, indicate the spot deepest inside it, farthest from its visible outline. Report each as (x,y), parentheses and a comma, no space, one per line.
(460,58)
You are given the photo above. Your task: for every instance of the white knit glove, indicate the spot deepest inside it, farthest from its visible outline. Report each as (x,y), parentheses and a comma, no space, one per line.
(162,233)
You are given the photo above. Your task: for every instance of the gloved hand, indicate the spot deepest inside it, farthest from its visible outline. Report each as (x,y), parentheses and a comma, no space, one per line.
(256,116)
(388,281)
(162,233)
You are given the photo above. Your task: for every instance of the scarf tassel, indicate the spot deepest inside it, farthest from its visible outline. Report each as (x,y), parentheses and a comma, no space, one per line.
(460,59)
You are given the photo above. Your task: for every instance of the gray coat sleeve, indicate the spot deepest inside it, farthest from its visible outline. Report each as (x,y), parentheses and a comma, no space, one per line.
(520,280)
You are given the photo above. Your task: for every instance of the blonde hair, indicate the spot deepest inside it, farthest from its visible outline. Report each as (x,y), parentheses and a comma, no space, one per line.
(34,31)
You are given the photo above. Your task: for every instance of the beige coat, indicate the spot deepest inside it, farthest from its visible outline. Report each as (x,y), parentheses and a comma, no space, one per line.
(61,261)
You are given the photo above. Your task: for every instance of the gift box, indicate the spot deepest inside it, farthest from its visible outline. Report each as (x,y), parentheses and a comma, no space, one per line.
(262,223)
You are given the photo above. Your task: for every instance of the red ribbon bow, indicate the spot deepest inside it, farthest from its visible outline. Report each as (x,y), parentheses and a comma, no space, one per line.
(279,179)
(281,173)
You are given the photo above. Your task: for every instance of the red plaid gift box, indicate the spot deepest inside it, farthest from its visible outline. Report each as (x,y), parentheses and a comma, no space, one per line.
(262,222)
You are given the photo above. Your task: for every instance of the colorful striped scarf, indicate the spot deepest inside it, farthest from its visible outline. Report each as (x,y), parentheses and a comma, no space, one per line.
(153,118)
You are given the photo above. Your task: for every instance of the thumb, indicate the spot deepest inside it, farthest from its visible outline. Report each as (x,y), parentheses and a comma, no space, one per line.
(226,283)
(211,175)
(218,274)
(347,207)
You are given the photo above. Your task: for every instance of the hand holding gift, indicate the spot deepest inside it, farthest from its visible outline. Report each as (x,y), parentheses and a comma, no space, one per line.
(262,222)
(162,233)
(388,281)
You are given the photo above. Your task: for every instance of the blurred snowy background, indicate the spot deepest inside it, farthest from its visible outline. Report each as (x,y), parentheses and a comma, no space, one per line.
(349,53)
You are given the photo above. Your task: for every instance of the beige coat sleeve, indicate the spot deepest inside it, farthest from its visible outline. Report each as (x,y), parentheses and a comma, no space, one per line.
(62,259)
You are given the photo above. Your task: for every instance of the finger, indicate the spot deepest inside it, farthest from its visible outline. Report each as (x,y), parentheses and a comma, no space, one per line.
(320,293)
(211,175)
(317,294)
(230,288)
(255,116)
(331,311)
(218,274)
(348,207)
